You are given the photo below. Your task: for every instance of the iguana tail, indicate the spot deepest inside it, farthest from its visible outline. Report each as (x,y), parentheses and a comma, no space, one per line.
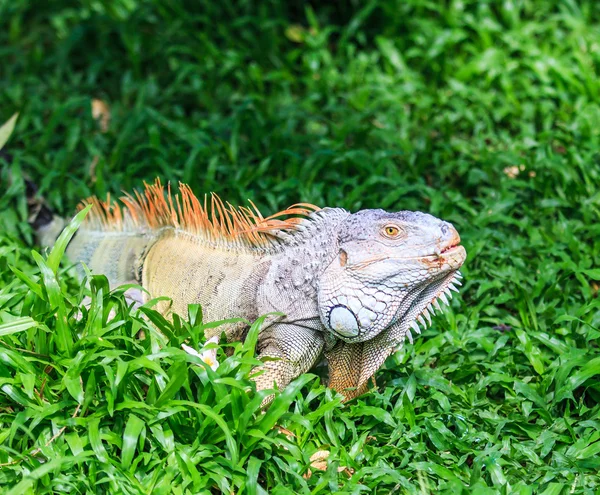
(45,223)
(117,254)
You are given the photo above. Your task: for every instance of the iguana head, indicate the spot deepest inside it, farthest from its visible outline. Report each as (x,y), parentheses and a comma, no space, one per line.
(390,267)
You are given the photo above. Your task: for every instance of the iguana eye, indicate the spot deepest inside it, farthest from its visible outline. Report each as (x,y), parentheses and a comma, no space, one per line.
(391,231)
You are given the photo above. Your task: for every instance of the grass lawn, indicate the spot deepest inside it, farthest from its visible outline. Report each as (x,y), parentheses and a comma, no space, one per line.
(486,114)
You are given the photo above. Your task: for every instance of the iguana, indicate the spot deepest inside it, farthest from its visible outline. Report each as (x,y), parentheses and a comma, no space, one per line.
(351,286)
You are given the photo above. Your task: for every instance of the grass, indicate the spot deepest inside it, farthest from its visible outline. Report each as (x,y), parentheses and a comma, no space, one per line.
(486,114)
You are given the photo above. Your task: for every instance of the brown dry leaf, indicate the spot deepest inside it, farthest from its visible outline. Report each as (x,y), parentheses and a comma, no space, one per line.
(101,113)
(285,431)
(319,461)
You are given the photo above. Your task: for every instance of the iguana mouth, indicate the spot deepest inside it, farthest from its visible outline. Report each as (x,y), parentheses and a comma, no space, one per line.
(448,244)
(449,248)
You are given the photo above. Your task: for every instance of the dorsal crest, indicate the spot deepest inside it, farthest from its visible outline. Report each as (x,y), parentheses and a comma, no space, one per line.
(212,219)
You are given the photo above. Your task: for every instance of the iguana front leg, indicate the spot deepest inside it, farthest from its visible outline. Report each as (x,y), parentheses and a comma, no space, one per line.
(344,362)
(351,365)
(297,349)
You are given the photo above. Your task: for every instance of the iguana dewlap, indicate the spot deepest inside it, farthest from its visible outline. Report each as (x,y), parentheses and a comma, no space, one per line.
(351,285)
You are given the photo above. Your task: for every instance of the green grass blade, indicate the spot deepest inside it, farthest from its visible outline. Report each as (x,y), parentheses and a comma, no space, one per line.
(6,129)
(33,286)
(178,375)
(133,428)
(282,402)
(58,250)
(17,325)
(252,475)
(64,338)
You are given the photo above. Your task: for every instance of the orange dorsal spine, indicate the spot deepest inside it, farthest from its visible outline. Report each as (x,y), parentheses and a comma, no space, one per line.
(157,207)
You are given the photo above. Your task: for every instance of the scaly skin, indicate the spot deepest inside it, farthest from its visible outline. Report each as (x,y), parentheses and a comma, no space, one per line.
(350,286)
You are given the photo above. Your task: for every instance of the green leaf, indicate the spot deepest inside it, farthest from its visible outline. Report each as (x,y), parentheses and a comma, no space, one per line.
(587,371)
(282,402)
(64,338)
(590,451)
(18,325)
(178,375)
(532,352)
(593,273)
(58,250)
(252,475)
(7,129)
(24,486)
(33,286)
(555,489)
(195,314)
(95,441)
(210,413)
(133,428)
(377,413)
(72,381)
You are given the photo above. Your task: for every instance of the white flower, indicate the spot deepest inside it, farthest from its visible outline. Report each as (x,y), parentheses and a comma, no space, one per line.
(209,356)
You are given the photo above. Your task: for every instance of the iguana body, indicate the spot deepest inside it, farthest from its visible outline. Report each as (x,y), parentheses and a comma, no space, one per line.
(350,286)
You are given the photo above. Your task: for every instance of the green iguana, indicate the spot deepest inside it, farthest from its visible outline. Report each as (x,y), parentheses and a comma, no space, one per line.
(352,286)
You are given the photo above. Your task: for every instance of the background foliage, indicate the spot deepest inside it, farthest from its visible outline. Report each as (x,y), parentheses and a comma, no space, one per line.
(486,114)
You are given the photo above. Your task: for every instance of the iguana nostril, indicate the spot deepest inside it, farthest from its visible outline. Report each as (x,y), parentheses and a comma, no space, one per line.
(449,233)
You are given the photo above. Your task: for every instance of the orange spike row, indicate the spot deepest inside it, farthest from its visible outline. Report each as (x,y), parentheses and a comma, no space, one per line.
(156,208)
